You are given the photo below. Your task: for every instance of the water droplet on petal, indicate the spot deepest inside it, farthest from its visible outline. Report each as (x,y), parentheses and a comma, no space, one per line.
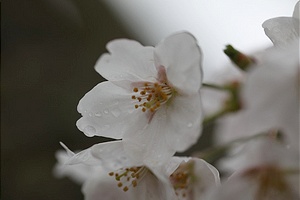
(106,111)
(89,130)
(189,125)
(98,114)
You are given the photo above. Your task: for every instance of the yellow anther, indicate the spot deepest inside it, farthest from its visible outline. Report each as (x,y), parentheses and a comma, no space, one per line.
(125,189)
(111,173)
(134,183)
(120,184)
(143,92)
(152,95)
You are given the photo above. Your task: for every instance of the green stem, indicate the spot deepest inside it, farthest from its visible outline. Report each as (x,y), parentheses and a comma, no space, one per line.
(291,171)
(214,153)
(217,87)
(214,116)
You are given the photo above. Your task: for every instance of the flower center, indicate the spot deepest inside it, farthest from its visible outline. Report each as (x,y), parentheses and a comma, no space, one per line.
(182,178)
(152,95)
(129,177)
(269,179)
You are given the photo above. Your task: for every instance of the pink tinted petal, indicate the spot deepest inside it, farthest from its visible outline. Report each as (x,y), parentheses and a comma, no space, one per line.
(181,56)
(107,110)
(128,60)
(183,121)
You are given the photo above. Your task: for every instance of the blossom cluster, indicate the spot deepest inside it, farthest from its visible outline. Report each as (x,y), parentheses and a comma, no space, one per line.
(154,104)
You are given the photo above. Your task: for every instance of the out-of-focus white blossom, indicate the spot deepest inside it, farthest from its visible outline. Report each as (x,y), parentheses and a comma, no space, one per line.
(283,30)
(270,99)
(78,173)
(194,178)
(151,99)
(269,171)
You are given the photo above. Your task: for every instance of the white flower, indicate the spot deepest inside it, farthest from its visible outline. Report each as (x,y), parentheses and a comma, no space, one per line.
(193,178)
(79,173)
(151,99)
(270,99)
(115,176)
(282,30)
(269,172)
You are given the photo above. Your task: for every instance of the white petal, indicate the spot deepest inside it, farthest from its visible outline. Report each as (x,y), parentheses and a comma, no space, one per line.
(271,98)
(206,178)
(104,187)
(128,60)
(107,110)
(83,157)
(78,173)
(112,155)
(234,189)
(282,30)
(174,163)
(183,121)
(181,56)
(149,142)
(296,11)
(152,188)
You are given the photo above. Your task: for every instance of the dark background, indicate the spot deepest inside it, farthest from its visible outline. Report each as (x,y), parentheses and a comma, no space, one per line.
(47,65)
(48,52)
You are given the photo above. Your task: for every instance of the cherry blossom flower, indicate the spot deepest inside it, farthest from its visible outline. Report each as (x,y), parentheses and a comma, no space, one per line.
(151,99)
(106,165)
(194,178)
(282,30)
(270,98)
(112,175)
(269,172)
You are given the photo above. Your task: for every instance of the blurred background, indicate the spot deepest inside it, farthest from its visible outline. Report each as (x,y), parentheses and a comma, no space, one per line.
(48,52)
(49,49)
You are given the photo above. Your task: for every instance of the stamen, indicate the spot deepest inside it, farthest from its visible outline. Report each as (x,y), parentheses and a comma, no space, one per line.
(111,173)
(152,95)
(268,179)
(129,177)
(182,179)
